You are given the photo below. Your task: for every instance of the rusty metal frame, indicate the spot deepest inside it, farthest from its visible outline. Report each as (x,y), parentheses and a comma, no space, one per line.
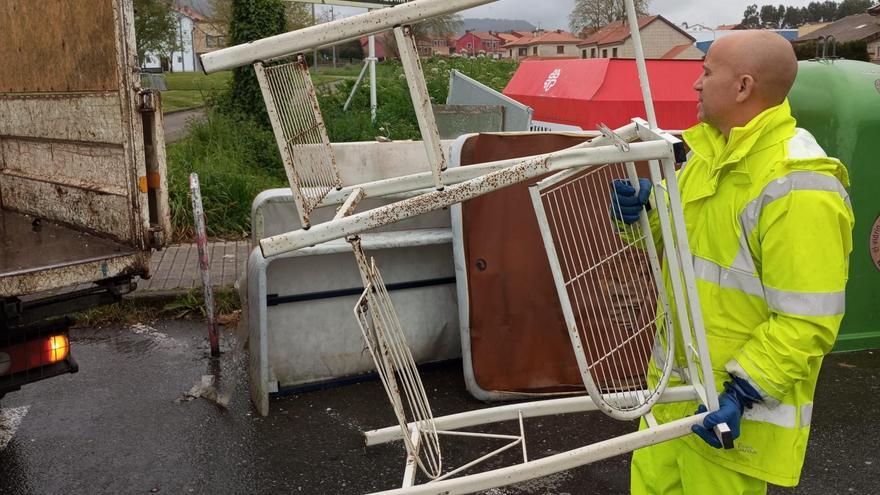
(418,90)
(300,133)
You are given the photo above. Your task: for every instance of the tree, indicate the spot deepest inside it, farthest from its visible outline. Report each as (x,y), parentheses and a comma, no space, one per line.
(597,13)
(793,18)
(851,7)
(751,19)
(829,11)
(155,28)
(769,17)
(251,20)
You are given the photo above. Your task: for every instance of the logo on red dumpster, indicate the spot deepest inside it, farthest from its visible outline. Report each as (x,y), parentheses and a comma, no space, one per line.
(551,80)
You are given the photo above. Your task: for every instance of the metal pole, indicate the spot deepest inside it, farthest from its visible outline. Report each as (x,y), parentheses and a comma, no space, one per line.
(373,103)
(204,262)
(315,51)
(357,84)
(333,18)
(640,63)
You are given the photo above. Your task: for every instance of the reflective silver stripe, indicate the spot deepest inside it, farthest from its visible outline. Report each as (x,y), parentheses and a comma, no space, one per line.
(735,369)
(802,180)
(806,303)
(779,188)
(710,271)
(806,414)
(782,415)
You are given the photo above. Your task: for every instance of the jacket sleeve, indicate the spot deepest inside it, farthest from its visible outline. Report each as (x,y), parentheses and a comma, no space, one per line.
(805,239)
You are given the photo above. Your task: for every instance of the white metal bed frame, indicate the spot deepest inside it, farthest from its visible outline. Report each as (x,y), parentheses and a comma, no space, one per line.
(314,186)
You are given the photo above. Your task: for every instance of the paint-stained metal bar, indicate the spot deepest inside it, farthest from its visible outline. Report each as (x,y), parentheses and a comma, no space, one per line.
(418,91)
(204,262)
(527,169)
(333,32)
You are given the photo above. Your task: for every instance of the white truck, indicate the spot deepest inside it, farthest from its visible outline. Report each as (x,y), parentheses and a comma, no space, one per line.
(83,191)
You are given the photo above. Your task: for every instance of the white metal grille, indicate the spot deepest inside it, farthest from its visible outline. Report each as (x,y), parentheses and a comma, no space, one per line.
(299,132)
(607,284)
(397,369)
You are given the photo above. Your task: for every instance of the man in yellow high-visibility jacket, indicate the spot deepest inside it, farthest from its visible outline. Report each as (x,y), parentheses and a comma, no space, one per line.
(770,228)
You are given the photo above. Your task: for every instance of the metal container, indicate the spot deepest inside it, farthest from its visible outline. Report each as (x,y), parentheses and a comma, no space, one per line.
(838,101)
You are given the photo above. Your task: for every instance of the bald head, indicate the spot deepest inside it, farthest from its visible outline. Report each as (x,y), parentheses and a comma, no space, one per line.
(766,56)
(744,74)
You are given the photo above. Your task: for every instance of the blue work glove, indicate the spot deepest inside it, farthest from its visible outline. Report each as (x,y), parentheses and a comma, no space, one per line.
(626,206)
(737,396)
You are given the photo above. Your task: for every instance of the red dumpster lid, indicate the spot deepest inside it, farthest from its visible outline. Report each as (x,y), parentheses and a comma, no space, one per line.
(588,92)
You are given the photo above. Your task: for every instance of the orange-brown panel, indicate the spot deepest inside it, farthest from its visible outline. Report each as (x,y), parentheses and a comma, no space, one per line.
(53,46)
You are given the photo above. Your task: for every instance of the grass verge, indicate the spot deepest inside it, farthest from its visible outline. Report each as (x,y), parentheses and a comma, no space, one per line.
(139,310)
(235,159)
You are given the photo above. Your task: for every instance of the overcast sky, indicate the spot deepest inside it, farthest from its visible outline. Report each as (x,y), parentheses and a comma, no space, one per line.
(553,14)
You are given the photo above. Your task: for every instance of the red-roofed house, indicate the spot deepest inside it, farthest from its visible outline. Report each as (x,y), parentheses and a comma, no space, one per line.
(661,39)
(543,45)
(478,42)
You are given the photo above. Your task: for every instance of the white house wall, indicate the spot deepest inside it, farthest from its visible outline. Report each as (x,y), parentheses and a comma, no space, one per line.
(549,50)
(183,60)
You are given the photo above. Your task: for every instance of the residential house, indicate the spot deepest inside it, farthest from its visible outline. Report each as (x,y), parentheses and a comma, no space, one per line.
(478,42)
(544,45)
(382,51)
(858,27)
(510,37)
(810,27)
(438,46)
(197,34)
(660,39)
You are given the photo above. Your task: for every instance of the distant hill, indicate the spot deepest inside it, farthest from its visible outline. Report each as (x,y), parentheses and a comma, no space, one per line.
(495,25)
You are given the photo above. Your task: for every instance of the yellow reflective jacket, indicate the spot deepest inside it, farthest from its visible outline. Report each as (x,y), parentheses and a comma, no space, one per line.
(770,227)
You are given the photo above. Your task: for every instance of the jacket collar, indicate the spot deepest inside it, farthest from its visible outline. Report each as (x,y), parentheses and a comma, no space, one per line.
(766,129)
(769,127)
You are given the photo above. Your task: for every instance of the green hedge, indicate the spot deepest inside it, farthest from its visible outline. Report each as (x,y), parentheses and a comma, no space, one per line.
(850,50)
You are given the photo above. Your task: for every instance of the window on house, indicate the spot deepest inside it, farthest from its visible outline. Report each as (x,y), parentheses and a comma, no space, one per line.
(614,52)
(179,59)
(211,41)
(523,52)
(534,50)
(604,53)
(592,53)
(583,54)
(470,45)
(560,49)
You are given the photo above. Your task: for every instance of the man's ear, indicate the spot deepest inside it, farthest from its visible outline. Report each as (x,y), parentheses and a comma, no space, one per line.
(746,87)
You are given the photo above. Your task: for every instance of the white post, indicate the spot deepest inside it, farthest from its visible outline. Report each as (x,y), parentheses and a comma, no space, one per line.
(372,54)
(640,62)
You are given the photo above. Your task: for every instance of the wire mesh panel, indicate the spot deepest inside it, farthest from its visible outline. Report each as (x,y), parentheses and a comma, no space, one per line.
(606,276)
(397,369)
(300,132)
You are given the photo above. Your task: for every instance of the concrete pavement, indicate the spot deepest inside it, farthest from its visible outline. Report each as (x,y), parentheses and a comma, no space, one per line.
(123,424)
(175,269)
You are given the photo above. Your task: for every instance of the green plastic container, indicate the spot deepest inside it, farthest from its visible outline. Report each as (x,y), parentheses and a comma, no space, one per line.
(839,103)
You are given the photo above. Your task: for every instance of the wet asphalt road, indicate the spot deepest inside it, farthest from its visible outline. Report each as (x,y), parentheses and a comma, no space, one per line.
(118,427)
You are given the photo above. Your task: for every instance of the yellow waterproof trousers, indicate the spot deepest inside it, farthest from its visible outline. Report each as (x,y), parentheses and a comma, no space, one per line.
(673,468)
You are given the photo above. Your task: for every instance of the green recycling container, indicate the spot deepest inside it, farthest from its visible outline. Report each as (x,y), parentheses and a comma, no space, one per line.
(838,101)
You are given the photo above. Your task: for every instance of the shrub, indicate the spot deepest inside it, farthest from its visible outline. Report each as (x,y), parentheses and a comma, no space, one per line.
(236,159)
(251,20)
(395,116)
(850,50)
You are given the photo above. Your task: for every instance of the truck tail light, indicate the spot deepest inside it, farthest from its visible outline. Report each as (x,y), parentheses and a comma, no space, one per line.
(34,354)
